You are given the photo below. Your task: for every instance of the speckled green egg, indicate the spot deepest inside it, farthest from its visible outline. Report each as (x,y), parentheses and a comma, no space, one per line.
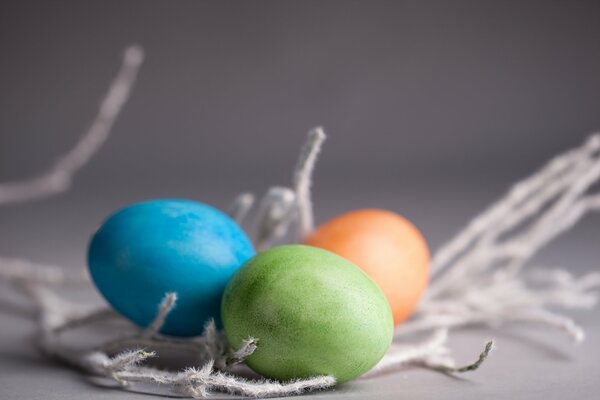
(313,313)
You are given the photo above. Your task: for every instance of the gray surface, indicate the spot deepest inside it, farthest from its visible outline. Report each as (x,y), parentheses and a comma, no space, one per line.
(433,109)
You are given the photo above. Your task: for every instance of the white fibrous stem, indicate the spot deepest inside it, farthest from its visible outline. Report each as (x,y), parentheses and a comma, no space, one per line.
(281,205)
(14,270)
(241,206)
(200,382)
(303,181)
(478,277)
(58,178)
(276,211)
(164,309)
(432,353)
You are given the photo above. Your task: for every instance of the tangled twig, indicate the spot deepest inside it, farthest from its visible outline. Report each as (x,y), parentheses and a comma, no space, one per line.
(478,276)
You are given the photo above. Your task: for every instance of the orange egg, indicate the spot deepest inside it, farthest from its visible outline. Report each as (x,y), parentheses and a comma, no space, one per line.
(389,248)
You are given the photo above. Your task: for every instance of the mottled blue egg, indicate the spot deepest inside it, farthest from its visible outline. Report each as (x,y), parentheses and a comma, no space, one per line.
(148,249)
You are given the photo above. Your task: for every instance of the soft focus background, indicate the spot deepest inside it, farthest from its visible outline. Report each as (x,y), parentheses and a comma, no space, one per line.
(432,108)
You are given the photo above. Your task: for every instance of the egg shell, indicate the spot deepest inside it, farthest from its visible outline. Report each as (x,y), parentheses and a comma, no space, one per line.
(388,247)
(148,249)
(313,313)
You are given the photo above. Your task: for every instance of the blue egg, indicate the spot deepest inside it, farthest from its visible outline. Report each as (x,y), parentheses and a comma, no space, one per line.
(148,249)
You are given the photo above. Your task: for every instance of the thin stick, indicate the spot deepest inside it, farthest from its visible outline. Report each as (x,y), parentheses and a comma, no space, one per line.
(518,192)
(58,178)
(165,307)
(276,211)
(19,270)
(241,206)
(303,180)
(489,346)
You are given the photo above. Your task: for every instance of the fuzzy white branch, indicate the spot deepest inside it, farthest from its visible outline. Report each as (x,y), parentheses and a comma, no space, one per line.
(442,366)
(276,211)
(58,179)
(506,298)
(241,206)
(303,180)
(399,356)
(19,270)
(479,278)
(432,353)
(199,382)
(520,192)
(246,349)
(165,307)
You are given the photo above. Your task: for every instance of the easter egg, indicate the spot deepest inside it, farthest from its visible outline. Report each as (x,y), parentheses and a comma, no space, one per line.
(387,247)
(313,313)
(148,249)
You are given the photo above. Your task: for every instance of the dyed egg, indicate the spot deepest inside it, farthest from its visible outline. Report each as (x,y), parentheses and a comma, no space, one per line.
(148,249)
(313,313)
(387,247)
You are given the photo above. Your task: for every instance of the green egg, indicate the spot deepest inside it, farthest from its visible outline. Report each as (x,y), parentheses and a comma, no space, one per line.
(313,313)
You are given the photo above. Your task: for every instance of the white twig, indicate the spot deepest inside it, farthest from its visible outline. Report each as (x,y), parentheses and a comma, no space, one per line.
(441,366)
(246,349)
(241,206)
(432,353)
(19,270)
(520,192)
(215,344)
(575,332)
(114,367)
(275,213)
(199,382)
(303,180)
(58,179)
(404,354)
(165,307)
(479,276)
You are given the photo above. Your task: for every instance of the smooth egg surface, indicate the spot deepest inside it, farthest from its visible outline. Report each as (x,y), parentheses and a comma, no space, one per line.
(148,249)
(313,313)
(388,247)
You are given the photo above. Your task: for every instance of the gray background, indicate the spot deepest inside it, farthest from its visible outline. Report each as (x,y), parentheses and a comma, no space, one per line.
(432,110)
